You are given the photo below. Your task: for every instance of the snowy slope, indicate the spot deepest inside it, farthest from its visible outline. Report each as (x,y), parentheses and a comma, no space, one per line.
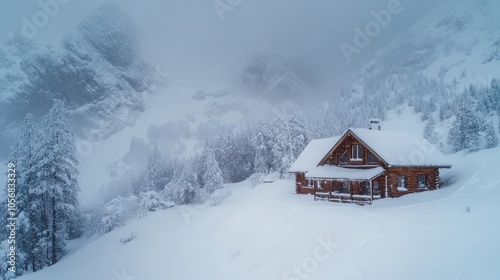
(457,40)
(265,231)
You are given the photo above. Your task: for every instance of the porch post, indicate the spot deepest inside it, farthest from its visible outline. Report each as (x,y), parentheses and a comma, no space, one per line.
(330,187)
(344,184)
(371,192)
(350,188)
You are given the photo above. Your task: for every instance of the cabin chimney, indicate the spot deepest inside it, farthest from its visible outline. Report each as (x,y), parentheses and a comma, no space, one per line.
(374,124)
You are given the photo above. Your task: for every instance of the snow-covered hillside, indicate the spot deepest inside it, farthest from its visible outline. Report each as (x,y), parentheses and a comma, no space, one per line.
(268,232)
(457,42)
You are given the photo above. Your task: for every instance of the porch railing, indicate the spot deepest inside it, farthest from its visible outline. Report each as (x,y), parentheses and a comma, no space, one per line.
(344,197)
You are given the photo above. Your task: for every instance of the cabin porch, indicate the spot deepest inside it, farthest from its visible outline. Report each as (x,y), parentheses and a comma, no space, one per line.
(345,190)
(349,185)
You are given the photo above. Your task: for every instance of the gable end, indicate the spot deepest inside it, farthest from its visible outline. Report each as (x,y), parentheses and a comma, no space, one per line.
(344,145)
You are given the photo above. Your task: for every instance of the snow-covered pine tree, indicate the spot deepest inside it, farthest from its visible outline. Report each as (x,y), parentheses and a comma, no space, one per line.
(155,171)
(491,136)
(297,125)
(429,132)
(23,155)
(137,152)
(464,133)
(56,189)
(445,111)
(138,183)
(183,189)
(234,151)
(118,211)
(212,177)
(263,142)
(243,155)
(494,95)
(282,149)
(222,146)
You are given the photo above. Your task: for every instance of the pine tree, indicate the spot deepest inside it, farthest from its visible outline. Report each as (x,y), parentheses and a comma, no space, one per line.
(282,148)
(243,154)
(183,189)
(263,142)
(23,157)
(118,211)
(445,111)
(56,189)
(299,135)
(429,132)
(494,96)
(212,177)
(464,133)
(155,171)
(491,136)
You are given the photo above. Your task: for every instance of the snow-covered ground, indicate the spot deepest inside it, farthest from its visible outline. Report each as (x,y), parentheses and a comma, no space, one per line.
(268,232)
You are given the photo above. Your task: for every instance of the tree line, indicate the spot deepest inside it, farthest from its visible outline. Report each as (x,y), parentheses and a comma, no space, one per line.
(47,192)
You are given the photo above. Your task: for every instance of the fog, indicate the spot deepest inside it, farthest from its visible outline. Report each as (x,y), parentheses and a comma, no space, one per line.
(206,41)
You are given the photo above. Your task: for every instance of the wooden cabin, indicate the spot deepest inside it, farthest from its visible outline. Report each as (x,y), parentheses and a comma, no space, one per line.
(367,164)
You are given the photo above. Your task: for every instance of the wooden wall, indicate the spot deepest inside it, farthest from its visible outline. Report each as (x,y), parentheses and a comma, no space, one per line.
(381,182)
(411,174)
(301,184)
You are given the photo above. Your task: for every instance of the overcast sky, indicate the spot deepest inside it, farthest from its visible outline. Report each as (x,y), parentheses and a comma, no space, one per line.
(192,38)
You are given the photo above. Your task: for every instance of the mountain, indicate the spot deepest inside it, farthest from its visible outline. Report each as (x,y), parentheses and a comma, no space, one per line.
(271,78)
(457,42)
(443,65)
(96,69)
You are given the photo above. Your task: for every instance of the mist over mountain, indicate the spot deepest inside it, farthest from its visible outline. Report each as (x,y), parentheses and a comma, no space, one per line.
(96,69)
(270,78)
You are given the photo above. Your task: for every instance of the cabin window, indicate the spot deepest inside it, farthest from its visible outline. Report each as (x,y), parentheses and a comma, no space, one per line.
(422,181)
(376,188)
(343,158)
(401,182)
(345,187)
(372,158)
(365,186)
(357,152)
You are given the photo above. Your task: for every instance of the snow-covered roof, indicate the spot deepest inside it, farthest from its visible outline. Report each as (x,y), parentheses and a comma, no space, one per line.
(395,148)
(313,154)
(401,148)
(335,172)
